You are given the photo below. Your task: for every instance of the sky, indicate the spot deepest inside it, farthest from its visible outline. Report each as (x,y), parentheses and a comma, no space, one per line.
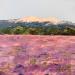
(63,9)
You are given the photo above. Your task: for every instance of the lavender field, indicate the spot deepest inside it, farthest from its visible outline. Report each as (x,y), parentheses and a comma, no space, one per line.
(37,55)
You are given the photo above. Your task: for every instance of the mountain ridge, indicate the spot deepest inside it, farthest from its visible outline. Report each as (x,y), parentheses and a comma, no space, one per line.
(53,20)
(37,26)
(32,21)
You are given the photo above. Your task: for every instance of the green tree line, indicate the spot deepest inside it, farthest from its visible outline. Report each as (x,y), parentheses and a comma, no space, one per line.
(38,30)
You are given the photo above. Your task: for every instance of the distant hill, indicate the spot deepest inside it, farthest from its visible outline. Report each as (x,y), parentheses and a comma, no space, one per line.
(46,25)
(34,21)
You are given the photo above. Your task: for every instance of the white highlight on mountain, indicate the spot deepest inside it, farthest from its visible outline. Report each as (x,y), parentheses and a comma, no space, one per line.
(37,19)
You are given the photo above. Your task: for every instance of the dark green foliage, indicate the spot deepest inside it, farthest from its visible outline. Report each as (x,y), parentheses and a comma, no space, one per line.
(36,28)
